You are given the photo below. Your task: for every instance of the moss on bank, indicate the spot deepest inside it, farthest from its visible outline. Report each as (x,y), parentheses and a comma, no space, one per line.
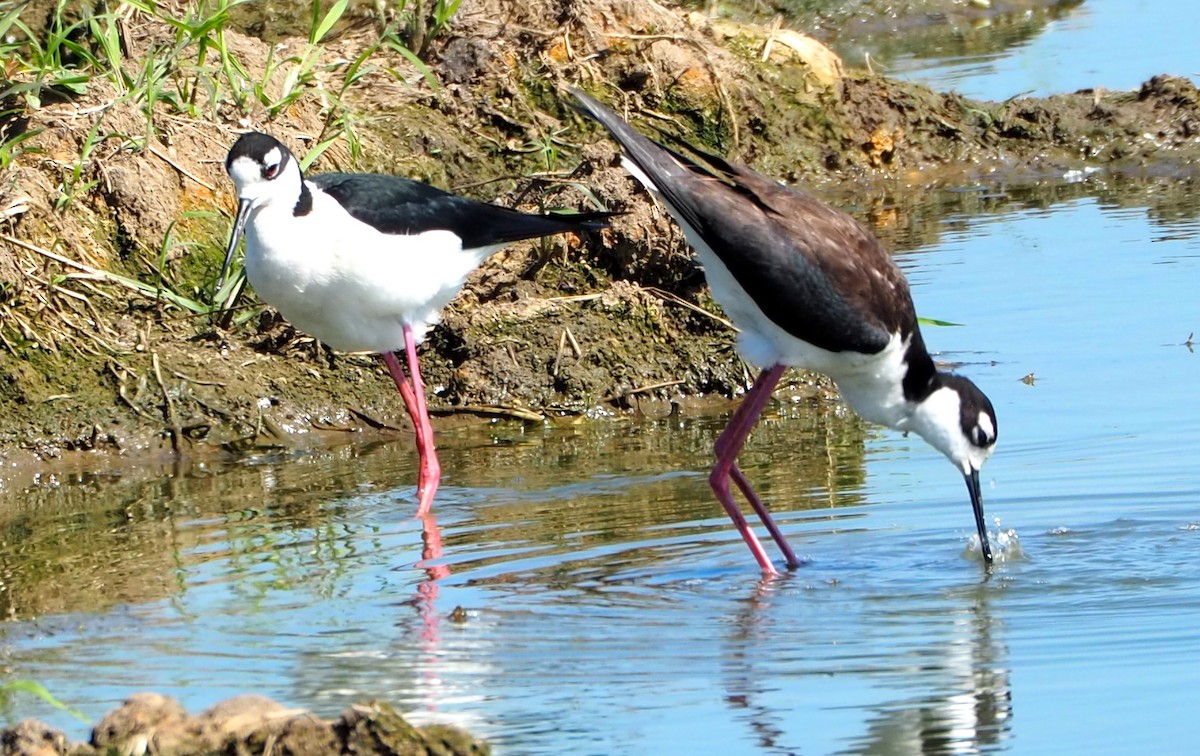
(115,207)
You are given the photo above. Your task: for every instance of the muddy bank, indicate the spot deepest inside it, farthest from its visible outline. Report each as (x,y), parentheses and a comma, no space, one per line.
(105,185)
(158,724)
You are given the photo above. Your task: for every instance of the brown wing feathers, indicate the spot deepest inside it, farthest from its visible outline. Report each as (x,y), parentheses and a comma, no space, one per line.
(813,270)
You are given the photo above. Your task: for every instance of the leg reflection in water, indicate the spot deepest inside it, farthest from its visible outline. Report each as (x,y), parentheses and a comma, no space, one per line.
(427,591)
(428,659)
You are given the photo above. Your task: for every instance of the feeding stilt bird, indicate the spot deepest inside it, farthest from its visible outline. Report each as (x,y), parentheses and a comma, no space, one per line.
(807,286)
(366,262)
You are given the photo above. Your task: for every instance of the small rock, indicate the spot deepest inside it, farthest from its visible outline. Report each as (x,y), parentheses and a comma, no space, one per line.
(376,728)
(235,718)
(147,723)
(32,738)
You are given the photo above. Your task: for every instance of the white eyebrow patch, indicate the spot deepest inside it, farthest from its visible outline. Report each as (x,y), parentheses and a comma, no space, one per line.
(985,423)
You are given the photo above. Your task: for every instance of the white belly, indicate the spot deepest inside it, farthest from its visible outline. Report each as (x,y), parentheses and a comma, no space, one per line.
(870,383)
(348,285)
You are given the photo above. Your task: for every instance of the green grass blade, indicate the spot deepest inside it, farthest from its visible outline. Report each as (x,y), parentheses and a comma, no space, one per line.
(9,19)
(319,30)
(420,64)
(933,322)
(586,191)
(39,690)
(158,292)
(317,151)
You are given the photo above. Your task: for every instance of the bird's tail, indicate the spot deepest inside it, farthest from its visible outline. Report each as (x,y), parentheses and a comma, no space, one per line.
(654,161)
(505,226)
(592,221)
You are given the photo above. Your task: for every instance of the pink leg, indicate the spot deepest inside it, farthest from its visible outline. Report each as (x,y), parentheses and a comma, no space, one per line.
(728,445)
(427,591)
(431,548)
(765,515)
(741,420)
(429,470)
(401,380)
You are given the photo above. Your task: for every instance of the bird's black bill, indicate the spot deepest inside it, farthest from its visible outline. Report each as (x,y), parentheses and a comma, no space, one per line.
(239,228)
(972,479)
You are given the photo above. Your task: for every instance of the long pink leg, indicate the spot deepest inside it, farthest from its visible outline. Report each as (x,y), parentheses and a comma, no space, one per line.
(427,591)
(429,469)
(728,445)
(401,380)
(765,515)
(740,419)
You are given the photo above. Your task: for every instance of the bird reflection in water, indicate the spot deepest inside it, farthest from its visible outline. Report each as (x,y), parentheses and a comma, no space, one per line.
(965,704)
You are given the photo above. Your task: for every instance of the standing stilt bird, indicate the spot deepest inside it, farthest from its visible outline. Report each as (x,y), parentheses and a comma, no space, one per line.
(366,262)
(807,286)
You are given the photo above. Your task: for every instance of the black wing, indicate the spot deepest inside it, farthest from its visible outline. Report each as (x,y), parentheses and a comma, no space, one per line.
(814,271)
(395,205)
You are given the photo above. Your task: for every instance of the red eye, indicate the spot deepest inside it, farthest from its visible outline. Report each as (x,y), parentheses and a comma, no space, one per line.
(270,171)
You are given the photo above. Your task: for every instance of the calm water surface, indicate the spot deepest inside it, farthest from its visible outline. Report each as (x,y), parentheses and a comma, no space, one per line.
(1062,47)
(609,606)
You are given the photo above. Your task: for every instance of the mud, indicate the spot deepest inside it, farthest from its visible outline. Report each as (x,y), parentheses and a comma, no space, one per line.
(565,325)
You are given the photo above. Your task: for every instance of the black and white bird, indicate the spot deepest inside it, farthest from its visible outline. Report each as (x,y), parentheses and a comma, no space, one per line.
(807,286)
(366,262)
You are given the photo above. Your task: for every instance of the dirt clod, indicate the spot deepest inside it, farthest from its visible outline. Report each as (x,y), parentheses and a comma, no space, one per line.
(32,738)
(151,723)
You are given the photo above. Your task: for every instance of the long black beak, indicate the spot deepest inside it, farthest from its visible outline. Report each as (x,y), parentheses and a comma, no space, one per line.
(239,228)
(972,479)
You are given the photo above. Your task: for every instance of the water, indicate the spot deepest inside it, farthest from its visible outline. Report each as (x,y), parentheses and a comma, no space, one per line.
(610,608)
(1068,46)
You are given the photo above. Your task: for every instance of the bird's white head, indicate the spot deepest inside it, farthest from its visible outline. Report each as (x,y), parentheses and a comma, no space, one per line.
(264,172)
(957,419)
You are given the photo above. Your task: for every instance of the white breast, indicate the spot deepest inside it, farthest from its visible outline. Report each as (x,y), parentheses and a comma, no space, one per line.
(347,284)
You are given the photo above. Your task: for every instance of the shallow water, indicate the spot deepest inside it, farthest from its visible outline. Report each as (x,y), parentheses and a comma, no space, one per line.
(1036,51)
(609,606)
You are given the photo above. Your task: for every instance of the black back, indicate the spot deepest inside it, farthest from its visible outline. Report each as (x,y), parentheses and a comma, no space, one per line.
(395,205)
(814,271)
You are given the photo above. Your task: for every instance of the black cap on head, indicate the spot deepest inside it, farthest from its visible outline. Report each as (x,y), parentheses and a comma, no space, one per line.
(976,416)
(255,145)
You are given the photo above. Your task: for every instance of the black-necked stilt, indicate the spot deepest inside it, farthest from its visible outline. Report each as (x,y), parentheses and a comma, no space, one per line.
(366,262)
(807,286)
